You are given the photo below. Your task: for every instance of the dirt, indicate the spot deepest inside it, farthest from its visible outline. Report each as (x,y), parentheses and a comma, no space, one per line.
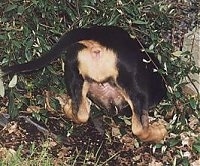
(23,133)
(67,142)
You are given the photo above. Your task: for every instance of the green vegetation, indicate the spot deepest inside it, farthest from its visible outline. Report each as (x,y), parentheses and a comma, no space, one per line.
(15,158)
(29,28)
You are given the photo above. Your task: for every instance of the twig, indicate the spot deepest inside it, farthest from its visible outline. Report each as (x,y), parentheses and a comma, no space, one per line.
(46,132)
(192,47)
(4,119)
(193,85)
(152,61)
(40,128)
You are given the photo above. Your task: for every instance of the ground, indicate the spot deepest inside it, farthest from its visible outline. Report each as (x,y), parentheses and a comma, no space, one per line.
(70,144)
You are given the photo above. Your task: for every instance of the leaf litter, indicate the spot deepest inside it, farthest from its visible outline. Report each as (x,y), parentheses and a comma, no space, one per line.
(83,144)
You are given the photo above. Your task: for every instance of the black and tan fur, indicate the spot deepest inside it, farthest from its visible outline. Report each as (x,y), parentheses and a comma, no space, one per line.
(106,66)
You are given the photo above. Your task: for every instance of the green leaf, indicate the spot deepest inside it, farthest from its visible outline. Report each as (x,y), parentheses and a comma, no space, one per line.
(36,116)
(174,141)
(139,22)
(13,111)
(13,82)
(151,47)
(193,103)
(184,162)
(17,44)
(196,145)
(197,148)
(113,19)
(177,53)
(2,89)
(177,94)
(3,37)
(11,7)
(20,10)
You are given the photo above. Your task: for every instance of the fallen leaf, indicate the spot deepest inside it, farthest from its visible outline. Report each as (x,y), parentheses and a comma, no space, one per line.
(155,163)
(116,132)
(63,99)
(32,109)
(12,128)
(6,154)
(196,162)
(193,122)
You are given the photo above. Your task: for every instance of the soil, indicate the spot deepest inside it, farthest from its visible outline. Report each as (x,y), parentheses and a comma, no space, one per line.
(24,131)
(67,141)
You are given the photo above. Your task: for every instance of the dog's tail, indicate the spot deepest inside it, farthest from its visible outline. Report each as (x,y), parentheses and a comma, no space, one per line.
(55,52)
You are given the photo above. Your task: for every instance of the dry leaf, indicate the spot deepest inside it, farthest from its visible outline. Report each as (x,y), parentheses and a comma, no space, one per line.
(155,163)
(193,122)
(116,132)
(6,154)
(32,109)
(63,99)
(196,163)
(12,128)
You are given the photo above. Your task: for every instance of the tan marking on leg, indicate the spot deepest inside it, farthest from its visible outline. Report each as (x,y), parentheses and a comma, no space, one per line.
(84,108)
(82,115)
(156,132)
(69,112)
(84,111)
(136,124)
(148,132)
(145,119)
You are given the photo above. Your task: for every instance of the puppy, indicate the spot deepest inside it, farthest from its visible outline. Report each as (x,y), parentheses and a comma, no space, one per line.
(105,65)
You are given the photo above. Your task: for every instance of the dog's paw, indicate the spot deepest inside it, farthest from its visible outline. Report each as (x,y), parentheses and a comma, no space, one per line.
(69,111)
(157,132)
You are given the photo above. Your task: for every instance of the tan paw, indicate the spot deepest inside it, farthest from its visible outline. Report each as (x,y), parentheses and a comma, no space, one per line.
(157,132)
(69,112)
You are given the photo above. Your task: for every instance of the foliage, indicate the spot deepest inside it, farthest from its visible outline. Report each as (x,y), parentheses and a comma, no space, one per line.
(12,157)
(41,156)
(29,28)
